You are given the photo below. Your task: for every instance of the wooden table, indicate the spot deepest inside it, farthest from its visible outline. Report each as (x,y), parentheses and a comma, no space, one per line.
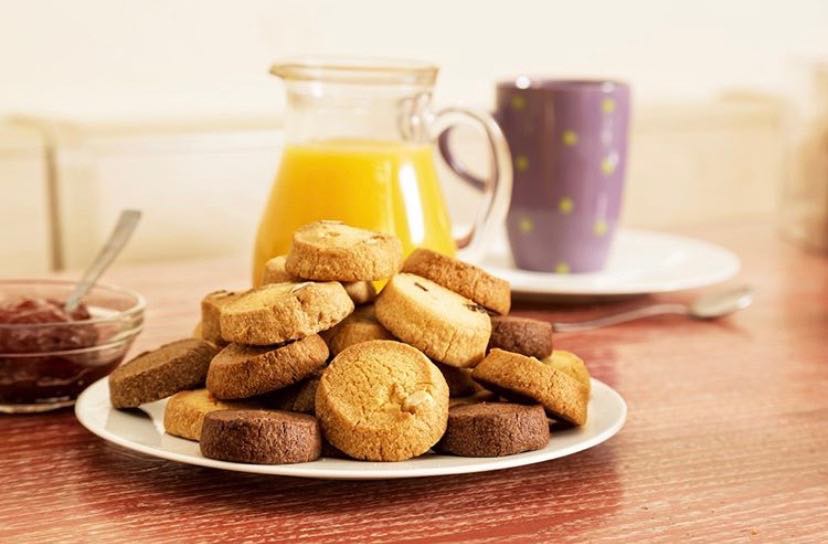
(726,441)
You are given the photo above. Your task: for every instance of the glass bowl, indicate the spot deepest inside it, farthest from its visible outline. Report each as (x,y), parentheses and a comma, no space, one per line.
(35,377)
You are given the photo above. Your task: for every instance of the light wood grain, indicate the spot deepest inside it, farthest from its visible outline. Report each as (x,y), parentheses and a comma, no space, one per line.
(726,441)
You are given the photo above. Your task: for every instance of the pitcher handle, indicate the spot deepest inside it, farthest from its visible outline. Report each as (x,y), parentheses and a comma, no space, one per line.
(497,188)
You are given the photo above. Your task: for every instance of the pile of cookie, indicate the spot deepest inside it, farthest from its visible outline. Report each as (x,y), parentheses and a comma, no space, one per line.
(316,361)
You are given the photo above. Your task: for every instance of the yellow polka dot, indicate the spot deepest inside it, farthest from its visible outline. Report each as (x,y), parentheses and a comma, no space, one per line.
(521,163)
(600,227)
(608,105)
(518,102)
(565,205)
(526,225)
(608,164)
(562,268)
(569,137)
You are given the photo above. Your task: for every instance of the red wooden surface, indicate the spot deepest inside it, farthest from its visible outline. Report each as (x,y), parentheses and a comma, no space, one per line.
(726,441)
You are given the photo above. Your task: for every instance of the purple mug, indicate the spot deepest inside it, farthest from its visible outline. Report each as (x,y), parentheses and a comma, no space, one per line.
(568,140)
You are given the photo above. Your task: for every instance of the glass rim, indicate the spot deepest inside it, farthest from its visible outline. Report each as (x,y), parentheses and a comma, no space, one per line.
(356,70)
(527,82)
(118,340)
(137,307)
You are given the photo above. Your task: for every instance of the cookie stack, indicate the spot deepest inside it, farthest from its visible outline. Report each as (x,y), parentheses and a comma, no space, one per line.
(315,358)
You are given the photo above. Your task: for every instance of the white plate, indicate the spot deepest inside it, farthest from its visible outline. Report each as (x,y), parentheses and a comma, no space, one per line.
(640,262)
(145,434)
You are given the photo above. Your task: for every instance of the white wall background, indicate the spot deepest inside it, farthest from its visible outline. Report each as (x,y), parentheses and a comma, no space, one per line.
(187,58)
(148,64)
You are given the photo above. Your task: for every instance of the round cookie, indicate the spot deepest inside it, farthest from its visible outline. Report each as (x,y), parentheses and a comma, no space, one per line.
(382,401)
(530,337)
(185,412)
(465,279)
(334,251)
(239,372)
(568,362)
(361,292)
(280,312)
(444,325)
(517,376)
(360,326)
(260,436)
(275,271)
(210,315)
(494,429)
(156,374)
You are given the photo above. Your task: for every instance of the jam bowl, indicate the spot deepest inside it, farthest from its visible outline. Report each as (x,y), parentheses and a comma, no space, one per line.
(48,355)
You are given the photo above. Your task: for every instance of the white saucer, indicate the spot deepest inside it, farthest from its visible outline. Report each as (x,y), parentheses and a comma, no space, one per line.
(143,431)
(640,262)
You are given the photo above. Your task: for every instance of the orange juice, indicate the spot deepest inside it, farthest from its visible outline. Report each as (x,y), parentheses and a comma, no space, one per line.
(386,186)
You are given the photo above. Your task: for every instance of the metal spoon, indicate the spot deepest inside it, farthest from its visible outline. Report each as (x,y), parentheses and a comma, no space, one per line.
(117,240)
(709,306)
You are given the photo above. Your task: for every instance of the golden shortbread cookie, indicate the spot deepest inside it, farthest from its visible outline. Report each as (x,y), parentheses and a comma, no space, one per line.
(382,401)
(463,278)
(210,315)
(275,271)
(568,362)
(360,326)
(521,377)
(447,327)
(185,412)
(280,312)
(334,251)
(239,372)
(361,292)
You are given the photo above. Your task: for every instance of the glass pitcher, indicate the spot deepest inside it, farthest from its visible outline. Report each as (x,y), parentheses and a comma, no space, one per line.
(358,149)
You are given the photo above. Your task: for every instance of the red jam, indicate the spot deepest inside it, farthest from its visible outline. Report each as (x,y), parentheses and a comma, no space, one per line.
(30,371)
(40,311)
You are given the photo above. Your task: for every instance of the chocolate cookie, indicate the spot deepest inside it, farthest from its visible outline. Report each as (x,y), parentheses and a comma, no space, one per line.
(530,337)
(239,372)
(156,374)
(334,251)
(494,429)
(260,436)
(520,377)
(463,278)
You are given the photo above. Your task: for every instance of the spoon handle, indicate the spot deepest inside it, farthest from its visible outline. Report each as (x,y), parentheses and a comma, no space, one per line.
(116,242)
(622,317)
